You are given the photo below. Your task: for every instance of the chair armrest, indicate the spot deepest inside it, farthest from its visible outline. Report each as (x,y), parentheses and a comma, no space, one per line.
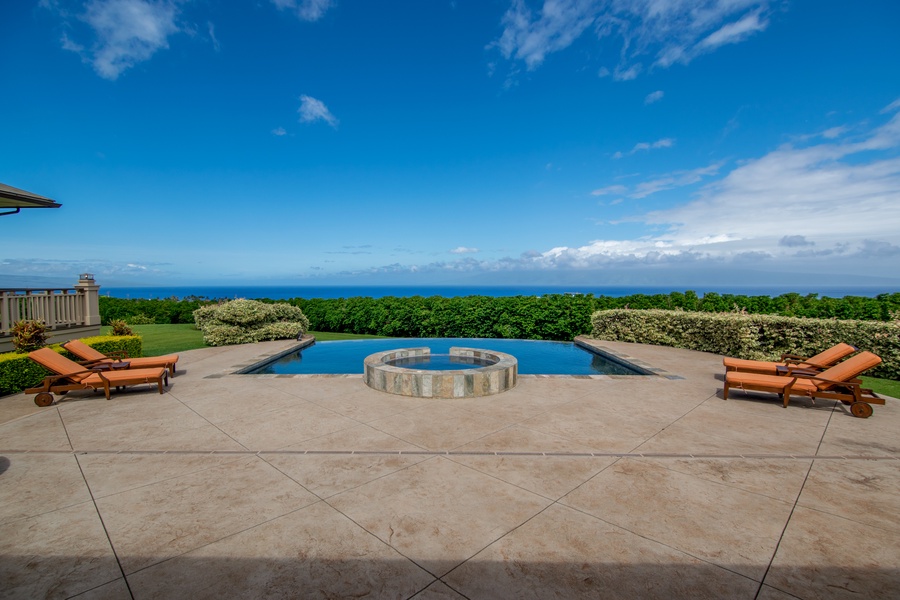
(792,358)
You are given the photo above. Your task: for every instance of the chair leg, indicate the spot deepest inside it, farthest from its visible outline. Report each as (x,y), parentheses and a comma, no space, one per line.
(725,390)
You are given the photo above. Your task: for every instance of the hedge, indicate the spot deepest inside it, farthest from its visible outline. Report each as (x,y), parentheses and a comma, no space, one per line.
(18,372)
(759,337)
(246,321)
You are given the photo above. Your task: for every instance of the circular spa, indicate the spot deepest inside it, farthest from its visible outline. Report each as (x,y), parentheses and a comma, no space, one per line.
(463,373)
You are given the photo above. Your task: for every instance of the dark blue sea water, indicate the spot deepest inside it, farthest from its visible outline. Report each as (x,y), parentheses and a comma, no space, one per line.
(285,292)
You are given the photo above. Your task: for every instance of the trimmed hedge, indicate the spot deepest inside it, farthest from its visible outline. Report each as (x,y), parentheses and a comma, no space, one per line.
(758,337)
(247,321)
(18,372)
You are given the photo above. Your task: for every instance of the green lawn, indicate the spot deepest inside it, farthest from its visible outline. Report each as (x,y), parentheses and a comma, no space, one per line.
(166,339)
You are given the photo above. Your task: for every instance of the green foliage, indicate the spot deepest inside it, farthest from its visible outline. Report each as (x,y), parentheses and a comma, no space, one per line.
(163,311)
(140,319)
(760,337)
(29,335)
(157,340)
(120,327)
(18,372)
(246,321)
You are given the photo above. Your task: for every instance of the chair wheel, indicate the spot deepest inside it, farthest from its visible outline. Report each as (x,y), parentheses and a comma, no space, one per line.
(863,410)
(44,399)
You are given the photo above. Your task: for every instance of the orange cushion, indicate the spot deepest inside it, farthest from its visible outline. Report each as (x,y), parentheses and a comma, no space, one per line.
(849,369)
(776,383)
(832,355)
(58,363)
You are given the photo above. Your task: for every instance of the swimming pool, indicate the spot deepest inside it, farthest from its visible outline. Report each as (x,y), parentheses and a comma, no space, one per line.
(535,357)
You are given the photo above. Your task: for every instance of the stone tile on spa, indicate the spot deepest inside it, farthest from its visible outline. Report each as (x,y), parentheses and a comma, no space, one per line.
(155,522)
(823,556)
(33,484)
(114,590)
(439,426)
(41,432)
(780,479)
(724,525)
(286,426)
(867,491)
(563,553)
(109,474)
(438,513)
(56,554)
(314,552)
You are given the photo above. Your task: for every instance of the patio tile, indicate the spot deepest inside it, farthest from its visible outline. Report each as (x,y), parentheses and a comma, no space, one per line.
(314,552)
(591,423)
(366,405)
(438,591)
(877,435)
(724,525)
(17,406)
(439,426)
(114,590)
(438,513)
(826,557)
(109,474)
(780,479)
(327,474)
(513,406)
(42,431)
(562,553)
(283,427)
(56,554)
(33,484)
(152,523)
(221,400)
(866,491)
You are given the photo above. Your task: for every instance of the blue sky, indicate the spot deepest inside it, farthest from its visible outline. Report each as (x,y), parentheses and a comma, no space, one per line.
(594,142)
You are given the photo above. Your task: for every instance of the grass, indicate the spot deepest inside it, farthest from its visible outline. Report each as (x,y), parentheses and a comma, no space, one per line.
(167,339)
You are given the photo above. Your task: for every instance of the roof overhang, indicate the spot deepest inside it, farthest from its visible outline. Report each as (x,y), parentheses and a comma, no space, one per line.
(17,199)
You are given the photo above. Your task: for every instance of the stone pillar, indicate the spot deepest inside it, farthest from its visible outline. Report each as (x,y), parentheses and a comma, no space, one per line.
(90,292)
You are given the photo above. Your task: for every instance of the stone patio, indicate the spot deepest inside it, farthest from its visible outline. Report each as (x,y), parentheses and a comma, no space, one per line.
(242,486)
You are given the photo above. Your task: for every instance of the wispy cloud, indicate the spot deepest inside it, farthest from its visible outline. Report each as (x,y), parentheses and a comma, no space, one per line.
(279,131)
(306,10)
(125,32)
(463,250)
(312,110)
(654,97)
(664,33)
(644,146)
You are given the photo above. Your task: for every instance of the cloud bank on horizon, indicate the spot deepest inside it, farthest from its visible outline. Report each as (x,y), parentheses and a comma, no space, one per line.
(797,199)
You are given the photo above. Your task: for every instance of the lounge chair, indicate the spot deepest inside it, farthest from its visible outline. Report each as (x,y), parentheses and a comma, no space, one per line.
(72,376)
(90,358)
(836,383)
(819,362)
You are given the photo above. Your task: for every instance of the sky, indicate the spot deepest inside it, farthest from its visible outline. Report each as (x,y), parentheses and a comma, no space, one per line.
(453,142)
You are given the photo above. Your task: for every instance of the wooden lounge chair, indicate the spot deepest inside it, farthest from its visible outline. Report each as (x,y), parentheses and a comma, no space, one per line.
(819,362)
(90,358)
(836,383)
(72,376)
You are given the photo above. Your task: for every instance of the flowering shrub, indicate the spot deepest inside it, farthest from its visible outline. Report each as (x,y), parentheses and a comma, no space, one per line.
(120,327)
(247,321)
(758,337)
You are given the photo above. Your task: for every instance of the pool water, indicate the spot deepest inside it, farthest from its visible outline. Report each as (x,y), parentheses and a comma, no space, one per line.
(535,357)
(439,362)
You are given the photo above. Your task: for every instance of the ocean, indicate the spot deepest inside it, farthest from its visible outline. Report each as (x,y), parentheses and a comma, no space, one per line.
(285,292)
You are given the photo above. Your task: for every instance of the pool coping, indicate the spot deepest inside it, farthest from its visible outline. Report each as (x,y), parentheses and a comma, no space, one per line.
(586,342)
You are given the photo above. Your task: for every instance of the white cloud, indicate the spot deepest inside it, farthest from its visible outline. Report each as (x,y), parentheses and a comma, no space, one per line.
(126,32)
(306,10)
(644,146)
(654,97)
(671,31)
(463,250)
(312,110)
(610,189)
(279,131)
(895,105)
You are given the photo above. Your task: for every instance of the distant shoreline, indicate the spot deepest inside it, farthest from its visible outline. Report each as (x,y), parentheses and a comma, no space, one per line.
(285,292)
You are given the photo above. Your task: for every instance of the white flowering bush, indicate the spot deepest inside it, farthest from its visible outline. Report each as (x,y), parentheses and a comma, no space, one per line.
(758,337)
(247,321)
